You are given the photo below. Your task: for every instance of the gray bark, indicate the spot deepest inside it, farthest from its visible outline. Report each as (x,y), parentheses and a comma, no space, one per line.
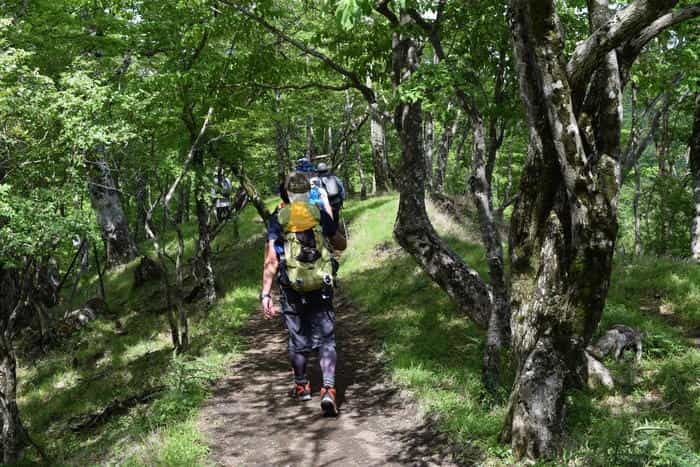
(428,142)
(113,222)
(310,146)
(662,142)
(638,248)
(496,125)
(203,268)
(498,329)
(354,143)
(444,150)
(379,157)
(638,144)
(378,142)
(139,233)
(625,25)
(631,48)
(360,169)
(182,214)
(281,143)
(564,226)
(694,160)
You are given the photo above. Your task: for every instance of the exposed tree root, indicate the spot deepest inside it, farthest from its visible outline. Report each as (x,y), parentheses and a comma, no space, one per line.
(117,407)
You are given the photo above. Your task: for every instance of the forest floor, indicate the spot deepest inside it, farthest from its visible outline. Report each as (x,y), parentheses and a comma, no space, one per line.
(251,419)
(410,375)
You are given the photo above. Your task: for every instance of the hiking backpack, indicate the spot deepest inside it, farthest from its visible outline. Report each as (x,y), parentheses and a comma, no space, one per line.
(307,257)
(334,190)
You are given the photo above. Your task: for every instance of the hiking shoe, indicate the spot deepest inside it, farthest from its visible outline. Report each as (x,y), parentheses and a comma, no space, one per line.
(328,404)
(301,392)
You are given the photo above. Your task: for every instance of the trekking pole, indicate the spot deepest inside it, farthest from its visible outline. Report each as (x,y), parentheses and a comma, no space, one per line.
(345,228)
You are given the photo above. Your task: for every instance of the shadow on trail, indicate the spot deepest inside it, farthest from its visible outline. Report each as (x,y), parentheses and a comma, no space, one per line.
(251,420)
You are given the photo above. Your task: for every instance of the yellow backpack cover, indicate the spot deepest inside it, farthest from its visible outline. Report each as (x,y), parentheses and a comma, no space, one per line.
(307,256)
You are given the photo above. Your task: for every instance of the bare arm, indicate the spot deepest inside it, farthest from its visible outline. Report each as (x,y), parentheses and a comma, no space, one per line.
(270,266)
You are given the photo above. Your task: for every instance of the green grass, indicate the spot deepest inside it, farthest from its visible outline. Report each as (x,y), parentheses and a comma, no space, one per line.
(96,366)
(651,418)
(432,350)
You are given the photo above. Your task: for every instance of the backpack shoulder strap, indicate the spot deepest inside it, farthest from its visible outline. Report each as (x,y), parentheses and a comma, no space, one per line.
(283,217)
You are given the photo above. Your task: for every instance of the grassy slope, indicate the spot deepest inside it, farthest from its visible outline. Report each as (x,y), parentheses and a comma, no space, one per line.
(107,366)
(652,418)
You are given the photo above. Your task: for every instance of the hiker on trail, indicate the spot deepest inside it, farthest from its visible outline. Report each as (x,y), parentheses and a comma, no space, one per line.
(298,253)
(221,192)
(333,187)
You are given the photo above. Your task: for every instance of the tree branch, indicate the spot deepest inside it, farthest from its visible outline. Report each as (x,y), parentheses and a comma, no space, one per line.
(383,8)
(432,28)
(332,64)
(625,24)
(188,159)
(630,50)
(300,87)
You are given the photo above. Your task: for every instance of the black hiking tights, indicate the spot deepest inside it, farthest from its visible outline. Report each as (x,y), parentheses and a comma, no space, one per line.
(327,359)
(310,322)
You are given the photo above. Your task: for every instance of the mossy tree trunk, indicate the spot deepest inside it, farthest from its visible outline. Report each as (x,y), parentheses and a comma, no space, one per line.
(564,226)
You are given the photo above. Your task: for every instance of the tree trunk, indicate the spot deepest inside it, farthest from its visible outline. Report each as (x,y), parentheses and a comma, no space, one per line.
(428,141)
(10,302)
(694,161)
(444,151)
(496,124)
(139,233)
(182,214)
(662,143)
(11,427)
(204,271)
(281,143)
(563,228)
(310,146)
(379,157)
(638,249)
(378,143)
(360,169)
(413,229)
(498,328)
(110,215)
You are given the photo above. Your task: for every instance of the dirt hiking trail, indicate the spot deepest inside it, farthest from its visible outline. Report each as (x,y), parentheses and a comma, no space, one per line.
(251,420)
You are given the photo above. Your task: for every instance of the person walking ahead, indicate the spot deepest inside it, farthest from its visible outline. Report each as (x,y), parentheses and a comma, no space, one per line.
(298,254)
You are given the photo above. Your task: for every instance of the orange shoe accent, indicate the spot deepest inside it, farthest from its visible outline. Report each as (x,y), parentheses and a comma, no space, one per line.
(302,391)
(328,402)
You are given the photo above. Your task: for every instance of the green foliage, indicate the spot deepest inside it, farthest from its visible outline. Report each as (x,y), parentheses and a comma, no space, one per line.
(349,11)
(668,213)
